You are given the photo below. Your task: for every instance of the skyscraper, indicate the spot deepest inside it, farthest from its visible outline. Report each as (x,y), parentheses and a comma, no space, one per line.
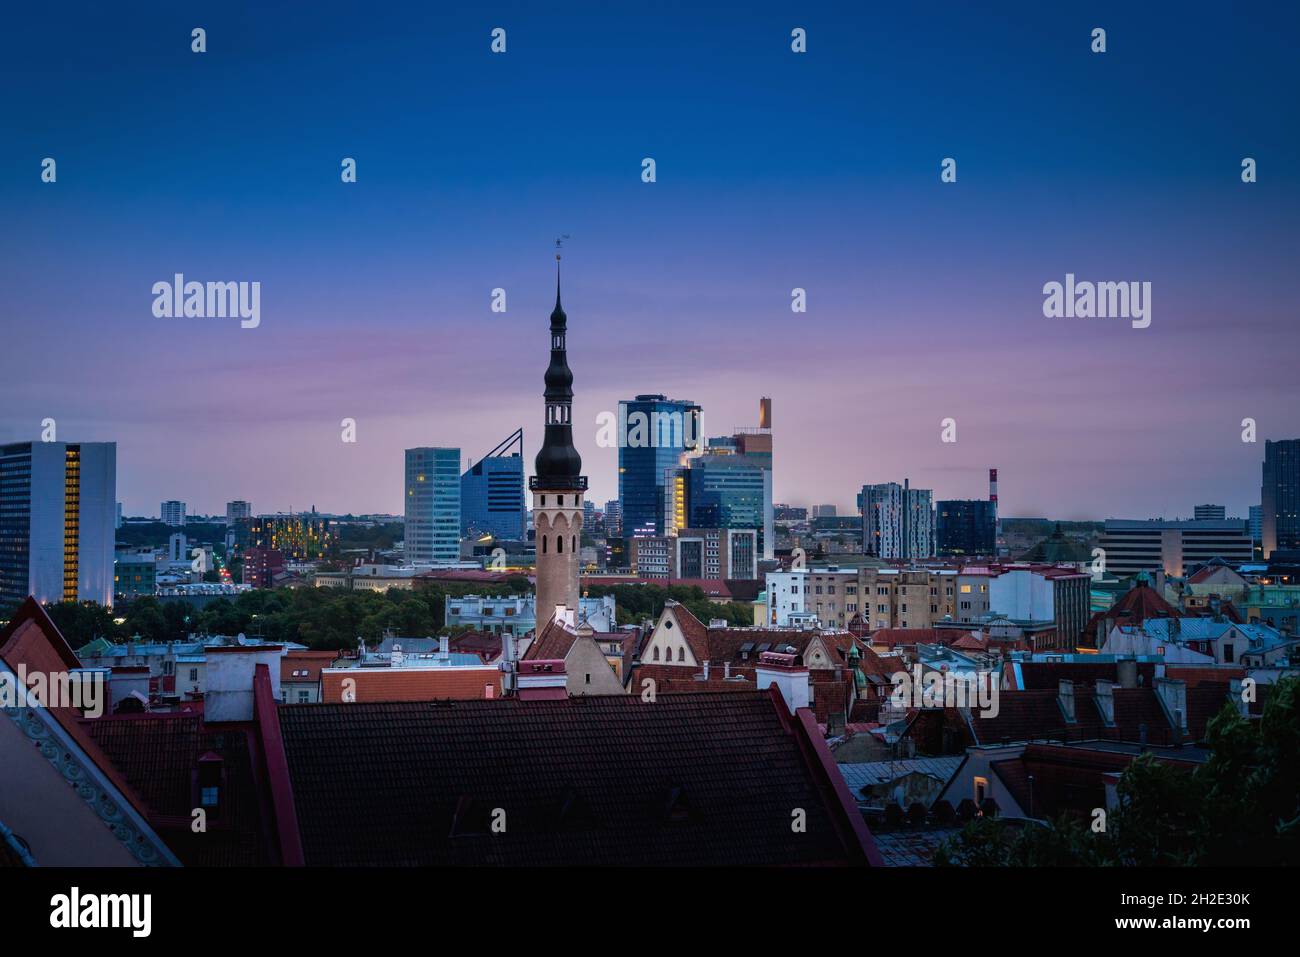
(613,519)
(747,452)
(558,485)
(237,510)
(1210,513)
(731,491)
(432,505)
(492,492)
(1280,496)
(57,511)
(172,512)
(655,434)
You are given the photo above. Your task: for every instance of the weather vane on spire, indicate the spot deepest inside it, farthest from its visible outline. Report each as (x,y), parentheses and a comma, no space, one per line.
(559,241)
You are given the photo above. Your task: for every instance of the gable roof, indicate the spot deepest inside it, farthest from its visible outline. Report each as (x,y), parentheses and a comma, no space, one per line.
(701,779)
(32,640)
(158,754)
(553,644)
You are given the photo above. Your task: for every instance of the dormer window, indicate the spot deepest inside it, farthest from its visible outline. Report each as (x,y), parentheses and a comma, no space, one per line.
(209,783)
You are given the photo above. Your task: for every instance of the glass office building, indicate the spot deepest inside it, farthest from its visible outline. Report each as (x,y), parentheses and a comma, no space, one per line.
(432,505)
(965,527)
(492,493)
(1280,497)
(730,491)
(655,434)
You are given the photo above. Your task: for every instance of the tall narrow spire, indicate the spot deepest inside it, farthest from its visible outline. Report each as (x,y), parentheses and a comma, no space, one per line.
(557,460)
(558,484)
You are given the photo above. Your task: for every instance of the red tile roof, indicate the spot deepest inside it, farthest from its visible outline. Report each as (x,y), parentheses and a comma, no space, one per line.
(694,780)
(411,684)
(1136,605)
(553,644)
(32,639)
(159,753)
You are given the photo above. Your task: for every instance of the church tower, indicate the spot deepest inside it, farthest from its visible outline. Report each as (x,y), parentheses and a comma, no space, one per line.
(558,485)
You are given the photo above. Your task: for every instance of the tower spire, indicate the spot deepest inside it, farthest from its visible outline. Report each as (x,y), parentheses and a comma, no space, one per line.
(558,485)
(559,241)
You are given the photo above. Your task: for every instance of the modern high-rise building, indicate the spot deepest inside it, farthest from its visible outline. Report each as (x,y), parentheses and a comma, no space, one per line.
(172,512)
(897,521)
(298,536)
(1133,546)
(1256,523)
(432,532)
(57,515)
(1210,513)
(965,527)
(731,491)
(238,510)
(492,492)
(823,511)
(1280,496)
(558,486)
(655,435)
(613,519)
(722,486)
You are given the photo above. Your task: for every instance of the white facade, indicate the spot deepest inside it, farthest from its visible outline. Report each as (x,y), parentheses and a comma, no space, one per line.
(172,513)
(1022,594)
(786,596)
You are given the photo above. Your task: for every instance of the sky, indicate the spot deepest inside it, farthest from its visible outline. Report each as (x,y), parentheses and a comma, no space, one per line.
(774,170)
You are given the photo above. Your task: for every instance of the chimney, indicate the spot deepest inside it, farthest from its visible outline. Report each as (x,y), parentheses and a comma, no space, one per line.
(1126,670)
(228,674)
(395,655)
(125,681)
(1106,701)
(835,723)
(1173,695)
(542,680)
(789,675)
(509,663)
(706,669)
(1065,696)
(726,670)
(444,647)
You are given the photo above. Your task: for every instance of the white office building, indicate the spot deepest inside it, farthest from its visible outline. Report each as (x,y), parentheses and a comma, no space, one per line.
(58,509)
(172,513)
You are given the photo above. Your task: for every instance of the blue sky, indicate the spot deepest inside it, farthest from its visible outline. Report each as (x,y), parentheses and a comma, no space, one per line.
(775,170)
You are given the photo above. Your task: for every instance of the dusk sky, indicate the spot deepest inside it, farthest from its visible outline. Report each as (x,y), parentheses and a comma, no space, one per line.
(775,170)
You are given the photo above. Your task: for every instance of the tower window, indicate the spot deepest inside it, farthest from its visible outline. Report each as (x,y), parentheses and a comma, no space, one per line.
(559,543)
(543,544)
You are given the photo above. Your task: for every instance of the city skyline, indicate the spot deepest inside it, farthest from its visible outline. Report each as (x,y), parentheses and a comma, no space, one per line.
(924,298)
